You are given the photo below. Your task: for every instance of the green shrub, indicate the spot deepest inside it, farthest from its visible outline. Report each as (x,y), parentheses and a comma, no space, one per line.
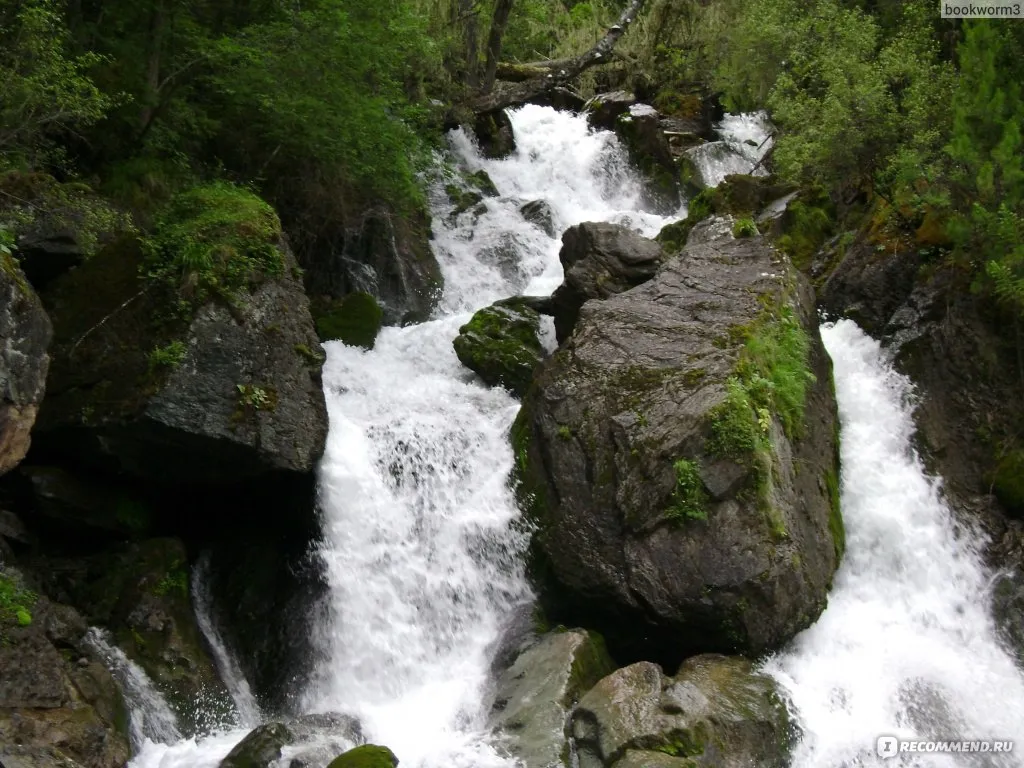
(744,227)
(217,239)
(15,603)
(168,357)
(689,499)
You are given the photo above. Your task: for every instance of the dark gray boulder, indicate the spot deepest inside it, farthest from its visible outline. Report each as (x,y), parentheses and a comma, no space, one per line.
(681,505)
(231,393)
(260,749)
(501,343)
(599,260)
(715,713)
(640,130)
(604,109)
(539,213)
(25,333)
(534,696)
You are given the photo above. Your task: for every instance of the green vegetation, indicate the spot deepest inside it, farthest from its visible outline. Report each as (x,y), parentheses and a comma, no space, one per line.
(15,603)
(744,227)
(689,499)
(354,320)
(214,240)
(255,398)
(169,357)
(174,582)
(315,359)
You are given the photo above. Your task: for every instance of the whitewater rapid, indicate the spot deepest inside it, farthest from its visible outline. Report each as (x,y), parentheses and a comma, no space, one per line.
(907,646)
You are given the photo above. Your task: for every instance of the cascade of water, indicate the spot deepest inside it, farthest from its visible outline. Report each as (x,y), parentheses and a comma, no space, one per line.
(907,646)
(422,551)
(247,709)
(150,719)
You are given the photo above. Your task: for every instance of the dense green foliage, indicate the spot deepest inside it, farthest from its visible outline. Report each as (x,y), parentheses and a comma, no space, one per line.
(15,603)
(689,499)
(214,240)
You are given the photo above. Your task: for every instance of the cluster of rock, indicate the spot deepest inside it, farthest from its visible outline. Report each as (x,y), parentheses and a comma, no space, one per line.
(646,530)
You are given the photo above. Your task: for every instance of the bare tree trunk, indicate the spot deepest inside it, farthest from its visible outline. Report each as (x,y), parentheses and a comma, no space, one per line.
(498,24)
(156,44)
(468,16)
(559,73)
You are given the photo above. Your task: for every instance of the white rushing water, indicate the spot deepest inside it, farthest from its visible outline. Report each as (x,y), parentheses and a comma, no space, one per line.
(150,719)
(907,645)
(422,551)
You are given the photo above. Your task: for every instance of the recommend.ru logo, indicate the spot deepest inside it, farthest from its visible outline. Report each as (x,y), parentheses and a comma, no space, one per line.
(890,746)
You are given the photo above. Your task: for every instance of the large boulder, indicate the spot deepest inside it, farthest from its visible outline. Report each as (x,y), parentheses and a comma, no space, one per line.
(25,330)
(605,108)
(200,371)
(640,130)
(501,343)
(59,706)
(366,756)
(534,696)
(715,713)
(599,261)
(679,458)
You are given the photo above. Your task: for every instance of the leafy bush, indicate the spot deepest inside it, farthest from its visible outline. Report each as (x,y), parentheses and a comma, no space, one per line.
(167,357)
(15,603)
(744,227)
(689,500)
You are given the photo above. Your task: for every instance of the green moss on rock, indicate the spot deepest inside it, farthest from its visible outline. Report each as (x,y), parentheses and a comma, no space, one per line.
(366,756)
(354,320)
(501,343)
(689,500)
(214,240)
(1008,482)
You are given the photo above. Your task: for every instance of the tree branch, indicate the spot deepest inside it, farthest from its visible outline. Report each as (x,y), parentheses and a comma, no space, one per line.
(510,94)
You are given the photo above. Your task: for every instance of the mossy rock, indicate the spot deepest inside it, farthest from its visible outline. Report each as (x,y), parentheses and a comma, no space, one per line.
(354,320)
(366,756)
(1008,482)
(501,344)
(260,749)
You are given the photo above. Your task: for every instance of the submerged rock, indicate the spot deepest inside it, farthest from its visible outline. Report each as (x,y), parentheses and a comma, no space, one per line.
(599,260)
(535,695)
(25,333)
(501,343)
(715,713)
(260,749)
(539,213)
(366,756)
(678,455)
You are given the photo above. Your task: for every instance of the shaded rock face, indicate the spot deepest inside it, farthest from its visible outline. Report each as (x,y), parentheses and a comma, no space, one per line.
(501,343)
(640,130)
(24,339)
(599,260)
(668,559)
(389,257)
(534,696)
(539,213)
(230,396)
(59,706)
(494,135)
(605,108)
(715,713)
(141,593)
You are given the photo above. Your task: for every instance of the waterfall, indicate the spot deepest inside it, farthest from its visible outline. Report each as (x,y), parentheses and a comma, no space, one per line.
(246,708)
(422,551)
(907,645)
(150,719)
(423,547)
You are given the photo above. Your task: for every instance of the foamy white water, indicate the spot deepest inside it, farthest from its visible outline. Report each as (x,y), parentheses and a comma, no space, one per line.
(150,719)
(907,645)
(423,552)
(744,142)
